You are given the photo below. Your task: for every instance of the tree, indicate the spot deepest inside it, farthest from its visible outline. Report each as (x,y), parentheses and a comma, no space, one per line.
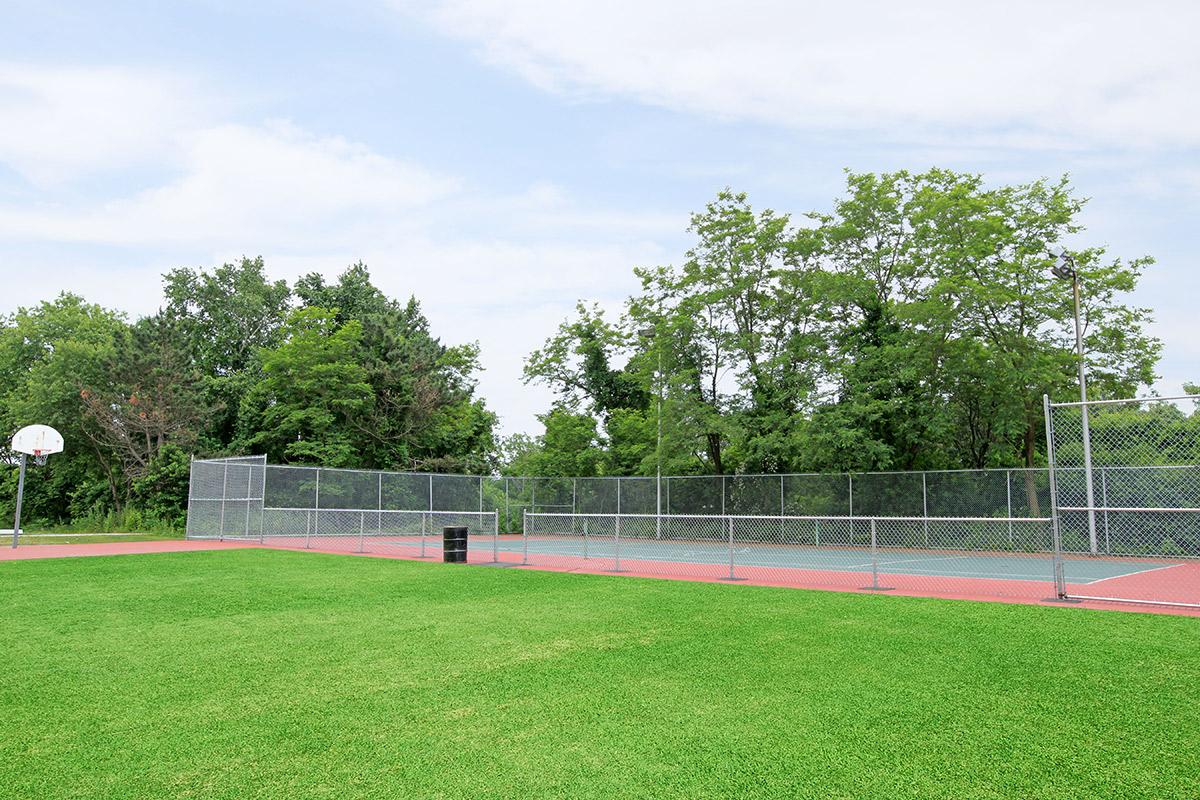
(226,316)
(46,353)
(915,325)
(148,395)
(423,413)
(312,389)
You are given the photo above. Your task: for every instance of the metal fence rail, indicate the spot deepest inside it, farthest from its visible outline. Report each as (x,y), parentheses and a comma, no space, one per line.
(1015,532)
(948,556)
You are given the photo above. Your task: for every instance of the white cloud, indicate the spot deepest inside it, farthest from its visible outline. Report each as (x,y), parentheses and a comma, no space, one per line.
(1057,74)
(309,203)
(61,123)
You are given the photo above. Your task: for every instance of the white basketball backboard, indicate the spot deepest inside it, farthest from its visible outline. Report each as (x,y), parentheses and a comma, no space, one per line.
(37,440)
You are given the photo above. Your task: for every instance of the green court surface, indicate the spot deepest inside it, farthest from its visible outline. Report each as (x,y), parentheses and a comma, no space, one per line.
(269,673)
(958,564)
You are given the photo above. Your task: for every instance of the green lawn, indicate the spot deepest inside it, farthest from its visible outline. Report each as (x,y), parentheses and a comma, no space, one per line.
(248,673)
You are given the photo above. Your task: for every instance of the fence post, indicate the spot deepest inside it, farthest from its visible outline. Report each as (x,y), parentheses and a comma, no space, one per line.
(249,491)
(507,513)
(262,505)
(362,528)
(1008,489)
(427,515)
(617,536)
(925,507)
(1060,583)
(875,587)
(307,527)
(495,537)
(850,476)
(1104,502)
(585,534)
(379,517)
(224,494)
(874,558)
(316,506)
(722,495)
(525,538)
(731,577)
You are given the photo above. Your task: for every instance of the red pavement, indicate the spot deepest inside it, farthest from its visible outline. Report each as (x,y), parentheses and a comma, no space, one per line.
(29,551)
(946,587)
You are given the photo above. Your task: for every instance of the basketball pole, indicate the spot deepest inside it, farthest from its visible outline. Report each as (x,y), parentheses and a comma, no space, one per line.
(20,497)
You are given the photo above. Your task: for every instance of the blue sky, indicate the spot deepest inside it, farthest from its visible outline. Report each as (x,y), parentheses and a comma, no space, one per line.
(501,160)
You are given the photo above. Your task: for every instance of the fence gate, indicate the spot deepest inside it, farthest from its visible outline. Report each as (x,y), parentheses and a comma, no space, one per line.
(1125,496)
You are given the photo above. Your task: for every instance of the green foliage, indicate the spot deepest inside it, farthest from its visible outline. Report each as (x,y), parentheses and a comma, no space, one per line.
(312,389)
(229,367)
(569,448)
(161,493)
(916,325)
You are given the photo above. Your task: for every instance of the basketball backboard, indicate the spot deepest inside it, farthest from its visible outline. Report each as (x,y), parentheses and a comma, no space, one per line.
(37,440)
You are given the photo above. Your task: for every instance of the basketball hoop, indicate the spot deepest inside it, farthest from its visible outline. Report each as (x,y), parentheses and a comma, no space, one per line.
(39,441)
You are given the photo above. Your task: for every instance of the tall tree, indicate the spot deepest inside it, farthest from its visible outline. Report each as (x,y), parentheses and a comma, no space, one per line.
(226,316)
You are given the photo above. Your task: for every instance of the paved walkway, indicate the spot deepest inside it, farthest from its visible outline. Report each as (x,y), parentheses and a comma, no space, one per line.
(28,551)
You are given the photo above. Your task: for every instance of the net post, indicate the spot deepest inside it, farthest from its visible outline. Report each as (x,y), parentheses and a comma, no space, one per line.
(585,535)
(307,527)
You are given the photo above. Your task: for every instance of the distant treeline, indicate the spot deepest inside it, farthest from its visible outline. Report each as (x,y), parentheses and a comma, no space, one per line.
(332,374)
(914,325)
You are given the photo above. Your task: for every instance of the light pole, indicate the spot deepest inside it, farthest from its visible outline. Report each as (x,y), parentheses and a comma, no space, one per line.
(648,334)
(1064,269)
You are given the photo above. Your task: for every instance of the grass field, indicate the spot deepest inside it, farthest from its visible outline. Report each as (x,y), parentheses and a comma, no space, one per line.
(251,673)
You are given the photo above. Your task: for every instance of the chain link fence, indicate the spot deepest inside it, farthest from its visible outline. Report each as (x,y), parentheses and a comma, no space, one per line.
(1116,516)
(1126,483)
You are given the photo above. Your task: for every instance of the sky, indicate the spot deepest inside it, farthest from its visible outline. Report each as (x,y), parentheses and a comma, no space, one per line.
(502,159)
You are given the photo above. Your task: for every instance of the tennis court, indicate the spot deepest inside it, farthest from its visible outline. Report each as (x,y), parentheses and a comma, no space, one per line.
(997,576)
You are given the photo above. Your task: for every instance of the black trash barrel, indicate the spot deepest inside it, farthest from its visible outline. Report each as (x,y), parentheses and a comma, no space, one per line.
(454,544)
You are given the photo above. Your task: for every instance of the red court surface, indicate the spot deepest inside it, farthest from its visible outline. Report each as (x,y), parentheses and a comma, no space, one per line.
(31,551)
(944,587)
(1143,585)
